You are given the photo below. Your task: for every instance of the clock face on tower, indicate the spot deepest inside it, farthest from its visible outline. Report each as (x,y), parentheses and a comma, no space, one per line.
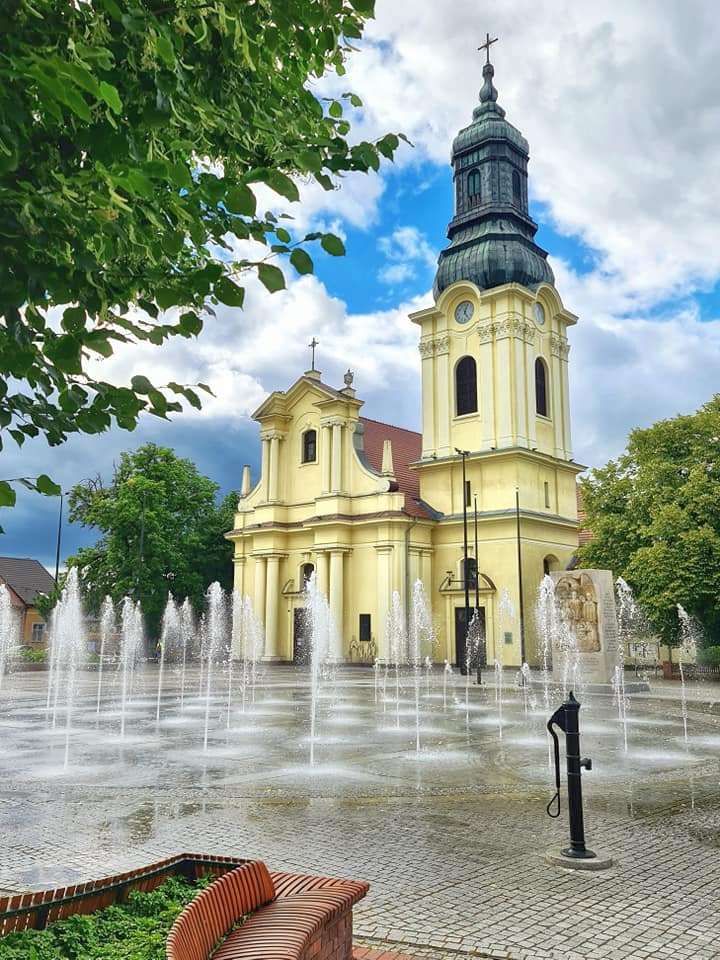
(539,313)
(464,311)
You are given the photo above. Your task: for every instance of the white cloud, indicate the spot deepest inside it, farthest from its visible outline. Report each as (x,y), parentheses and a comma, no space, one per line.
(619,103)
(404,248)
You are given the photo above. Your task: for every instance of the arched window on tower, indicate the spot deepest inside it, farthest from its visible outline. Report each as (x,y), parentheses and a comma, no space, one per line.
(474,190)
(466,386)
(517,189)
(541,387)
(309,446)
(458,194)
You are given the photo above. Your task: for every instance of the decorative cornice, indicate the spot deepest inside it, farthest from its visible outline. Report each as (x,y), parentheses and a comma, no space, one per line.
(559,347)
(272,435)
(427,348)
(333,422)
(485,332)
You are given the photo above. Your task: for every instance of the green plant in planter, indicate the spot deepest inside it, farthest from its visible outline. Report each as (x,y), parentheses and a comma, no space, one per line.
(136,930)
(34,654)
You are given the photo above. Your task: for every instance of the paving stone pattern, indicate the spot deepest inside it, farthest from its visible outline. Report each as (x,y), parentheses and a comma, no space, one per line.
(451,874)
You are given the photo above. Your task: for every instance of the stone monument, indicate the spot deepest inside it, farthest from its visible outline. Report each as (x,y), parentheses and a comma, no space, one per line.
(586,612)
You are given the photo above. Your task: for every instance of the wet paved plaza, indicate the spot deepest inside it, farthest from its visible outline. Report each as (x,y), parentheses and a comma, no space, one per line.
(450,838)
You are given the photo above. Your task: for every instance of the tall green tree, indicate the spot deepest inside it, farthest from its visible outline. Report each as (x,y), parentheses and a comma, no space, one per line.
(655,516)
(131,134)
(161,532)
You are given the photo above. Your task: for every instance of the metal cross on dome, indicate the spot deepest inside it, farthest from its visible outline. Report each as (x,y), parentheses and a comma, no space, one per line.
(313,343)
(486,46)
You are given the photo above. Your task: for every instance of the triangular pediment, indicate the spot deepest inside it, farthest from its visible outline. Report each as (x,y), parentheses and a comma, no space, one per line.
(280,402)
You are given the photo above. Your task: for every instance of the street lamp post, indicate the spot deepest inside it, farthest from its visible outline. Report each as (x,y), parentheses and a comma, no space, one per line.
(477,596)
(464,454)
(59,537)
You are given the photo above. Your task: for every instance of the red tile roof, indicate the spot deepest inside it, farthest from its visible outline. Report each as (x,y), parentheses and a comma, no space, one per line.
(26,577)
(406,448)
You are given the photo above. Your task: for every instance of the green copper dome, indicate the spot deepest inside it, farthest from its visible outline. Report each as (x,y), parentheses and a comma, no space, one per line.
(491,234)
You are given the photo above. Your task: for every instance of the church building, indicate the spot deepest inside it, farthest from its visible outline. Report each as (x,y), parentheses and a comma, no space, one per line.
(370,508)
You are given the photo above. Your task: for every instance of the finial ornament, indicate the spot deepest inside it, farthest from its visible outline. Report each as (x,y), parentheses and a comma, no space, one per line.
(313,343)
(486,46)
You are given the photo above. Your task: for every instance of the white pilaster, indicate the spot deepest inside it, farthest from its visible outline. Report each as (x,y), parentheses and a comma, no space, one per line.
(336,476)
(337,602)
(265,469)
(326,457)
(271,608)
(530,388)
(260,588)
(520,385)
(567,434)
(383,594)
(442,393)
(273,485)
(503,378)
(427,352)
(486,387)
(321,572)
(556,399)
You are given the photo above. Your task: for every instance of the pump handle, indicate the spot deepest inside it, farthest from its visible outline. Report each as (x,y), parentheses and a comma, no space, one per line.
(555,802)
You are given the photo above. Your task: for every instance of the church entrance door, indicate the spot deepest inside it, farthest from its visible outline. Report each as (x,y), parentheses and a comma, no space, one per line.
(461,633)
(301,635)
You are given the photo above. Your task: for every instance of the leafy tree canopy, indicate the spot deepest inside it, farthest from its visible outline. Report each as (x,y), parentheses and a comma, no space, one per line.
(131,133)
(655,516)
(162,531)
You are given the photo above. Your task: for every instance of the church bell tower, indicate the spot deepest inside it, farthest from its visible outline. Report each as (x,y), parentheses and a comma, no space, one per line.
(495,385)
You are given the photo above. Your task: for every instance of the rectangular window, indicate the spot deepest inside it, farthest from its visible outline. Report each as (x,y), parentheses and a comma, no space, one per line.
(38,632)
(508,637)
(468,494)
(365,628)
(547,495)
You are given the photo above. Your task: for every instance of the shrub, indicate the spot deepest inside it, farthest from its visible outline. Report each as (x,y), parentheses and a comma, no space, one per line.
(709,656)
(138,929)
(34,654)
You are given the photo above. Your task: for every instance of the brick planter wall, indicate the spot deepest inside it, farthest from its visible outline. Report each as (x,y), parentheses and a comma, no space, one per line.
(35,910)
(332,942)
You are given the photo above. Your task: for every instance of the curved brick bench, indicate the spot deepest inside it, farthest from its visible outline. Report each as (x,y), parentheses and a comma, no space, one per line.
(287,917)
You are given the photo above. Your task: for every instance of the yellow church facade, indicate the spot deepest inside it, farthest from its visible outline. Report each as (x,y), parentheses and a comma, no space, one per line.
(371,508)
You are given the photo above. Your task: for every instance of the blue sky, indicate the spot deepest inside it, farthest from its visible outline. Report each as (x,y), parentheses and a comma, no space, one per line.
(618,104)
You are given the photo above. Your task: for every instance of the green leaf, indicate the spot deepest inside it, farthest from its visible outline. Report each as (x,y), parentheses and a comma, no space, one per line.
(73,99)
(7,494)
(165,50)
(229,293)
(141,384)
(388,144)
(282,184)
(333,245)
(282,235)
(46,486)
(241,200)
(206,388)
(190,324)
(301,261)
(364,7)
(166,297)
(110,95)
(335,109)
(64,351)
(271,277)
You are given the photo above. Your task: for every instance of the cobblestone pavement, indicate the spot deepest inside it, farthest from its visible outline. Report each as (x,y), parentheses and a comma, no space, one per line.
(451,844)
